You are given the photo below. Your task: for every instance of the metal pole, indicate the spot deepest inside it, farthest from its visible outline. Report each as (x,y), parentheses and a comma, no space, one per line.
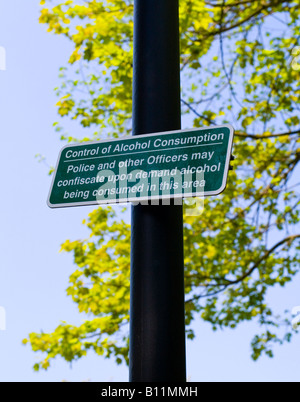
(157,328)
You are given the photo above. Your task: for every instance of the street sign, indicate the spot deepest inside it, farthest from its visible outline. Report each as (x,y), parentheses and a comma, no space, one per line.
(143,168)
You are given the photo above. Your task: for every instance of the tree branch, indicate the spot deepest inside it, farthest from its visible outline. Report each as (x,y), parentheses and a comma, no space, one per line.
(240,133)
(228,282)
(262,136)
(288,239)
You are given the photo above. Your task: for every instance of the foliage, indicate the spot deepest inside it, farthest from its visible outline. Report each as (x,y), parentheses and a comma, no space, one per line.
(237,66)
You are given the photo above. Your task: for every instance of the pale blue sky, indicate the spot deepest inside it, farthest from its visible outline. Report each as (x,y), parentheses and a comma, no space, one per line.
(33,275)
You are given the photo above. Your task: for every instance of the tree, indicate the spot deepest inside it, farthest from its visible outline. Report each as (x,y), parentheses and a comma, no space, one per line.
(239,64)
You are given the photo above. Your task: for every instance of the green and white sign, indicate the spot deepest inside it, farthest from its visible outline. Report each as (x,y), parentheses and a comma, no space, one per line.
(143,168)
